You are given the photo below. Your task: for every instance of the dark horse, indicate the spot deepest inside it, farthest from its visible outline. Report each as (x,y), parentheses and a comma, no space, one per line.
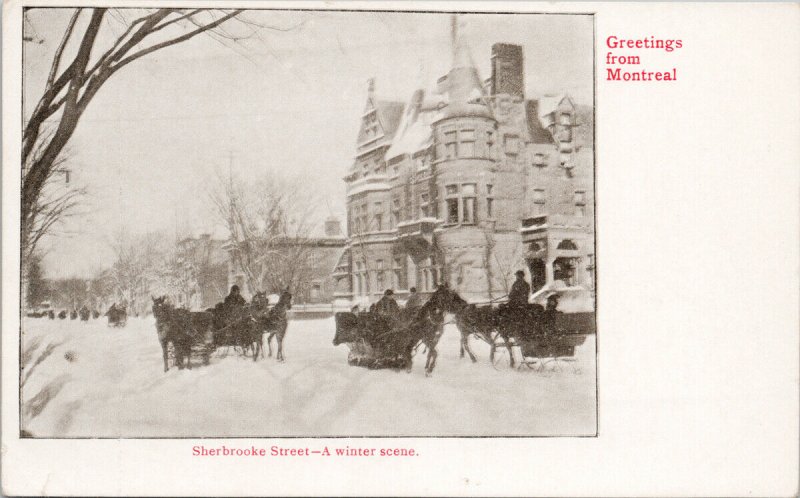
(272,322)
(403,336)
(505,322)
(182,328)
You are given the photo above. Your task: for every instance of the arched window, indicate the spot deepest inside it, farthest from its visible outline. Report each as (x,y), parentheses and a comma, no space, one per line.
(568,245)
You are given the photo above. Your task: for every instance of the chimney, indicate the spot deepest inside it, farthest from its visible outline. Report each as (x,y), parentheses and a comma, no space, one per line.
(333,228)
(507,70)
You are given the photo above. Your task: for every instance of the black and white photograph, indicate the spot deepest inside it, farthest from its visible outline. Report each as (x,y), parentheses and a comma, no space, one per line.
(300,223)
(399,248)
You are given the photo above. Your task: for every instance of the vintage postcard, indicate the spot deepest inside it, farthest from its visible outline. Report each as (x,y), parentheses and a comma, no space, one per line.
(363,240)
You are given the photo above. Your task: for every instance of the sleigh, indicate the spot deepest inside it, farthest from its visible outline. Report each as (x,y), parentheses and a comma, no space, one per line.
(375,341)
(543,343)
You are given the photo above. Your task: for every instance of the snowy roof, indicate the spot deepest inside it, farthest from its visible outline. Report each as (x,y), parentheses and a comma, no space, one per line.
(549,104)
(415,132)
(368,187)
(539,133)
(389,114)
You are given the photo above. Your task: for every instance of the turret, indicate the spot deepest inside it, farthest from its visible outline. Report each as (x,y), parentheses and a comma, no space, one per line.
(465,91)
(466,127)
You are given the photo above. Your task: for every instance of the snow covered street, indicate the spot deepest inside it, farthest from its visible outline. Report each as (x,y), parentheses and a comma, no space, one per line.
(97,381)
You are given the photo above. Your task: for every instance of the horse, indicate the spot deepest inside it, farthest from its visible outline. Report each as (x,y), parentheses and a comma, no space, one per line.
(478,321)
(182,328)
(403,335)
(507,322)
(274,322)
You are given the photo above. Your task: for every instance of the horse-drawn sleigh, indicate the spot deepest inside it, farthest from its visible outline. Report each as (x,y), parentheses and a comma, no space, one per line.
(185,334)
(531,335)
(378,340)
(117,316)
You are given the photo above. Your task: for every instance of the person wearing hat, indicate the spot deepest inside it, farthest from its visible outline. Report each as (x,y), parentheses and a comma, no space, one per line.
(233,305)
(550,316)
(234,298)
(414,301)
(387,305)
(519,291)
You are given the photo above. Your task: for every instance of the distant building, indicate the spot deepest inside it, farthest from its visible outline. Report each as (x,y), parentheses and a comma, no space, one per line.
(204,264)
(468,184)
(313,258)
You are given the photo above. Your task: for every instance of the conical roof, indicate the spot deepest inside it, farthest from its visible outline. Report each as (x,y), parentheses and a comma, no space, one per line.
(465,93)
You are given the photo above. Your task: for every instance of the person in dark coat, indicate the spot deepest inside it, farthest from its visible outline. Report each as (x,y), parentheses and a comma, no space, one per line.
(549,318)
(387,305)
(414,301)
(234,302)
(234,298)
(520,291)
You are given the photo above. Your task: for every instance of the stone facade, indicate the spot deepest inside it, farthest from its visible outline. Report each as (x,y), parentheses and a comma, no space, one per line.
(468,185)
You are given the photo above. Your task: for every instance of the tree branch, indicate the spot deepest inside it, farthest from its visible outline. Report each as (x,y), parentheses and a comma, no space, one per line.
(60,50)
(176,40)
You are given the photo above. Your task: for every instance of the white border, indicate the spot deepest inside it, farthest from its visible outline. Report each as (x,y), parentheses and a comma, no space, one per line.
(698,255)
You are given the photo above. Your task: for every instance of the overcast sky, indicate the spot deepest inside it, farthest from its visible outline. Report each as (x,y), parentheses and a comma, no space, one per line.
(150,143)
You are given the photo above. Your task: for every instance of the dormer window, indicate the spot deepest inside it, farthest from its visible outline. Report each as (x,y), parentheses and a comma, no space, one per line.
(565,128)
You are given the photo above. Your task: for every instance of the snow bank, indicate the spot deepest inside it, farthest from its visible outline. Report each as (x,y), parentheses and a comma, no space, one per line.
(106,382)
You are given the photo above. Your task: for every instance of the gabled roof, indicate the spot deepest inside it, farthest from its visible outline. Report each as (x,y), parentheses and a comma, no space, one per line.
(389,114)
(550,103)
(540,114)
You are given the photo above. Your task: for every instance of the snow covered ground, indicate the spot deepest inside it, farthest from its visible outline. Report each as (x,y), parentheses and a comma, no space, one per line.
(105,382)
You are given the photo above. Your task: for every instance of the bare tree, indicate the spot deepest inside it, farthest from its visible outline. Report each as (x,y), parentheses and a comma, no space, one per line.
(138,269)
(57,200)
(270,223)
(506,264)
(79,69)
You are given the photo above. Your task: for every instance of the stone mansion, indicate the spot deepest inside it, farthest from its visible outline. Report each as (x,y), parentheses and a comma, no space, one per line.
(468,184)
